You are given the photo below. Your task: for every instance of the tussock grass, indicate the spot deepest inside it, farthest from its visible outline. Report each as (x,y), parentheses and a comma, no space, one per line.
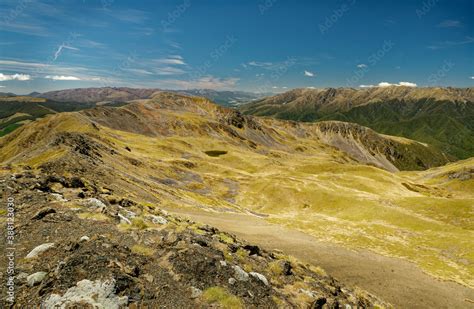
(222,297)
(142,250)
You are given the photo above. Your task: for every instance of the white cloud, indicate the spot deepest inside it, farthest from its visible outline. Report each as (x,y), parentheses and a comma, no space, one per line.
(20,77)
(448,44)
(61,77)
(37,68)
(206,82)
(60,49)
(407,84)
(90,44)
(260,64)
(309,74)
(361,66)
(173,61)
(386,84)
(138,71)
(450,24)
(2,86)
(168,71)
(271,66)
(311,87)
(472,77)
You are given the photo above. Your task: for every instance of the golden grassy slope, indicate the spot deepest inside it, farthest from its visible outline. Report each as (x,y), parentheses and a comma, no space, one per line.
(297,181)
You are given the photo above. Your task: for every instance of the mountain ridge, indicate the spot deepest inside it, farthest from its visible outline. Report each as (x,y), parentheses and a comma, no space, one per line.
(101,95)
(185,153)
(439,116)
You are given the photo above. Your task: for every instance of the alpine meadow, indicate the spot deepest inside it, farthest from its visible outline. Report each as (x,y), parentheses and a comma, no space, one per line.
(237,154)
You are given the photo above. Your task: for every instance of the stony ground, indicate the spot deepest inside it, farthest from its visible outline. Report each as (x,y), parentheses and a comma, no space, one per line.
(77,245)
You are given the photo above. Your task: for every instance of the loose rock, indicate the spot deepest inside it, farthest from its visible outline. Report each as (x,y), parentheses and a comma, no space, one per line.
(38,250)
(43,213)
(240,274)
(157,219)
(98,294)
(259,277)
(93,203)
(195,292)
(35,278)
(84,238)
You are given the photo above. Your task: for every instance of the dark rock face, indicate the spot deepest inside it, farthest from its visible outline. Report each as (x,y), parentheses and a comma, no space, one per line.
(287,268)
(236,119)
(462,175)
(253,250)
(43,213)
(79,143)
(404,156)
(319,303)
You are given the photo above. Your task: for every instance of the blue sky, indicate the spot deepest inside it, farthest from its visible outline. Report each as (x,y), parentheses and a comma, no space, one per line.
(260,45)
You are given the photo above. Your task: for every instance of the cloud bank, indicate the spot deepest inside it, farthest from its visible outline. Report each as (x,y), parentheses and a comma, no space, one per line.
(61,77)
(386,84)
(20,77)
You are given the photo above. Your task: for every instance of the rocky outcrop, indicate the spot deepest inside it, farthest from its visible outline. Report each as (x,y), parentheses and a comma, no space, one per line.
(154,259)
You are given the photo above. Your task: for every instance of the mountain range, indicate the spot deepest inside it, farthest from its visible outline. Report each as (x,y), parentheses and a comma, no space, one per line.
(125,94)
(116,171)
(442,117)
(18,110)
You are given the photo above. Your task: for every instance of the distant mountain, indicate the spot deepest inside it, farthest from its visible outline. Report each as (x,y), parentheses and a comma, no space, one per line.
(16,111)
(7,94)
(443,117)
(124,94)
(98,95)
(224,98)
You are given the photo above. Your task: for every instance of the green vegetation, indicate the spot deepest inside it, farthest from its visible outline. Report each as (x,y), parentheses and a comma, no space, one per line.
(9,128)
(222,297)
(445,124)
(18,109)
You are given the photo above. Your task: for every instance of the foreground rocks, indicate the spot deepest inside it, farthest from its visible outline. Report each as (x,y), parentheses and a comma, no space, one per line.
(82,250)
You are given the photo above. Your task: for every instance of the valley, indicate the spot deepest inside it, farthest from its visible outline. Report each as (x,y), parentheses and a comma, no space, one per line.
(237,154)
(343,184)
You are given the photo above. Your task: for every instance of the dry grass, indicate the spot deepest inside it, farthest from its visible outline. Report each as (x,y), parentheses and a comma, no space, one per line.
(222,297)
(320,190)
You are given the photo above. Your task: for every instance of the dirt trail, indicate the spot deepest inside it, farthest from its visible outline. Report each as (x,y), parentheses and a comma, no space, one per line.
(397,281)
